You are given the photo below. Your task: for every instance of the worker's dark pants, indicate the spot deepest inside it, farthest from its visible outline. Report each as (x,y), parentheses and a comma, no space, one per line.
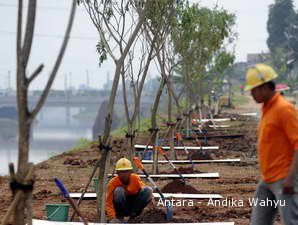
(131,205)
(287,205)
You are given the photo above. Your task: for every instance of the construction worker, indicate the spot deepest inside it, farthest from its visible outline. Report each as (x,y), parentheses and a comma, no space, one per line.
(277,150)
(127,195)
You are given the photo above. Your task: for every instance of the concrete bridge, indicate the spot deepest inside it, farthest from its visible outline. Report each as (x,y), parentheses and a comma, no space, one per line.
(71,101)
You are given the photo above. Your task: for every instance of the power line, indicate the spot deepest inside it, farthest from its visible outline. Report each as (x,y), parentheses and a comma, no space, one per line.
(56,36)
(42,7)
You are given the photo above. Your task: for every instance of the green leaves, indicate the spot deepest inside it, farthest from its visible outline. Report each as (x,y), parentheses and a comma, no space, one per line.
(282,26)
(281,15)
(100,47)
(199,38)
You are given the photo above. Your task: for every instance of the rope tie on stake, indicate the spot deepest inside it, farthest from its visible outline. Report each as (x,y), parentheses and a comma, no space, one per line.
(105,147)
(186,114)
(178,119)
(171,124)
(151,130)
(127,135)
(15,185)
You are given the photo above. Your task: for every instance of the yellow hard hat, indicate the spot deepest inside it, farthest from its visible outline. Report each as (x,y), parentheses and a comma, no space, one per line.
(123,164)
(258,75)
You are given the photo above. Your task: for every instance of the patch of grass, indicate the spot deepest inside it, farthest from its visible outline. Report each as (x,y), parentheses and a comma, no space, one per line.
(145,124)
(81,144)
(119,132)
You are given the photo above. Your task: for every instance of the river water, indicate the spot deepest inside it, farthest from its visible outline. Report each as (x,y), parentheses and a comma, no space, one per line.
(53,133)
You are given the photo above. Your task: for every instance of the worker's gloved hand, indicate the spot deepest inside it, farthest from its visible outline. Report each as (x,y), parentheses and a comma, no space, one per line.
(116,220)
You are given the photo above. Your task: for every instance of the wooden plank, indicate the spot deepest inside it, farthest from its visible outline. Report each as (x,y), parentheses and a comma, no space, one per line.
(181,147)
(188,196)
(215,120)
(156,195)
(46,222)
(249,114)
(198,175)
(217,126)
(210,136)
(195,161)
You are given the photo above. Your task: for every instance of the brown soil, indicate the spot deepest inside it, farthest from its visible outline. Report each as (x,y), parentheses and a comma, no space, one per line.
(183,170)
(237,180)
(202,155)
(177,186)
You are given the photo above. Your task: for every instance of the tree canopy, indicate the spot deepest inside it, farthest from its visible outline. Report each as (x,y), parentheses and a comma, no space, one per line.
(281,15)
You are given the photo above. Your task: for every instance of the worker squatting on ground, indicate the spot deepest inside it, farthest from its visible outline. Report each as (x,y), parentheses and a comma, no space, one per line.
(127,195)
(277,149)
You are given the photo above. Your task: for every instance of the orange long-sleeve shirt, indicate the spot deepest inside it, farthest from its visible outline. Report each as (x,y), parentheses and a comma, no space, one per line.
(134,186)
(277,138)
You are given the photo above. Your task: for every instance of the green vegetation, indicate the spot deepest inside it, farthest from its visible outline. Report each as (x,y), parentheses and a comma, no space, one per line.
(81,144)
(282,40)
(145,124)
(203,60)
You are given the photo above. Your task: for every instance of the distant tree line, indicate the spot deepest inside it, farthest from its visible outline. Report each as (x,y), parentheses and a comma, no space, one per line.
(282,26)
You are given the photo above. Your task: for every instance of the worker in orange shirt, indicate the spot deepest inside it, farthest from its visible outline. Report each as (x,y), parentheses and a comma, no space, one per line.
(277,150)
(127,195)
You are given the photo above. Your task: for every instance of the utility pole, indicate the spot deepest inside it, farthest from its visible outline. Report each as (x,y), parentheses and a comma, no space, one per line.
(65,82)
(65,86)
(87,78)
(8,80)
(70,82)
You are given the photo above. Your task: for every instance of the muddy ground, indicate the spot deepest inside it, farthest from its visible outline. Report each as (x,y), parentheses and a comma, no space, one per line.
(237,181)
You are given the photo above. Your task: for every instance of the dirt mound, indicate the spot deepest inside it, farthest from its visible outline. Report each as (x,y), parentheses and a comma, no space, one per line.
(156,215)
(153,215)
(177,186)
(202,155)
(74,162)
(91,162)
(44,166)
(183,170)
(42,194)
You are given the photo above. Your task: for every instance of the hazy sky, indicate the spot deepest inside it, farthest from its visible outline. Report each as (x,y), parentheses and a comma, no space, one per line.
(81,54)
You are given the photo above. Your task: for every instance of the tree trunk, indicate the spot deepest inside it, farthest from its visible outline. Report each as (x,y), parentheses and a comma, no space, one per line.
(24,137)
(108,120)
(25,117)
(171,131)
(155,154)
(154,122)
(105,161)
(131,140)
(188,84)
(104,152)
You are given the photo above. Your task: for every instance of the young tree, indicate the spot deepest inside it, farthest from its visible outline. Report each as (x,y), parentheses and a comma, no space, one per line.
(118,24)
(161,17)
(134,75)
(26,115)
(196,51)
